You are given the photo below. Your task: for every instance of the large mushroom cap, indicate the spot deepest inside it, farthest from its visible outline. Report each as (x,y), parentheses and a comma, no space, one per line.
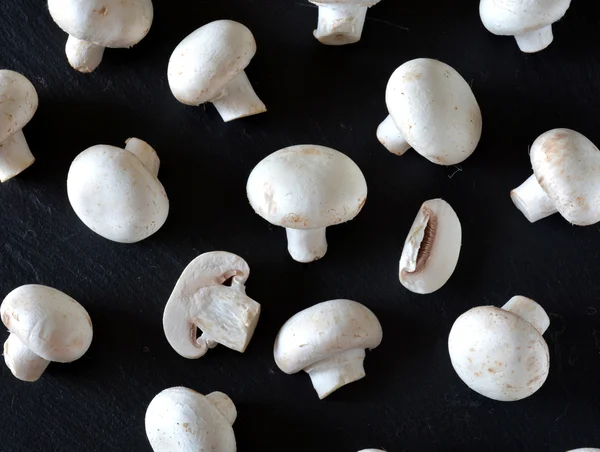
(306,187)
(567,166)
(179,419)
(498,354)
(50,323)
(107,23)
(435,110)
(115,195)
(18,102)
(204,63)
(513,17)
(324,330)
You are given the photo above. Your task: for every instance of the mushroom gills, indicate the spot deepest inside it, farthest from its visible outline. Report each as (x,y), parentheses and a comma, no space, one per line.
(340,24)
(328,375)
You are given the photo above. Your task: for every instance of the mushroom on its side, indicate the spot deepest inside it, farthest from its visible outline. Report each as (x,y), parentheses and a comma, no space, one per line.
(201,300)
(208,66)
(328,341)
(306,189)
(341,21)
(500,352)
(529,22)
(433,110)
(183,420)
(45,325)
(566,170)
(18,104)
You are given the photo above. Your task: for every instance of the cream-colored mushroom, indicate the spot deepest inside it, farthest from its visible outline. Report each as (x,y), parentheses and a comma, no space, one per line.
(18,104)
(201,300)
(328,341)
(45,325)
(341,21)
(180,419)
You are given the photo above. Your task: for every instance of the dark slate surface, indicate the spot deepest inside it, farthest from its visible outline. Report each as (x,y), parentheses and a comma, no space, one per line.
(411,400)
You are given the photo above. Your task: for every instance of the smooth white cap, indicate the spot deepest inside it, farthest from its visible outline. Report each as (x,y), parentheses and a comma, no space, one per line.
(18,103)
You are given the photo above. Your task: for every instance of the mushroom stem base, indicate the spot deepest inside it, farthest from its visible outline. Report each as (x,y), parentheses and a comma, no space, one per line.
(84,56)
(340,24)
(224,404)
(531,199)
(529,310)
(145,153)
(535,40)
(331,374)
(389,135)
(22,362)
(306,245)
(15,156)
(239,100)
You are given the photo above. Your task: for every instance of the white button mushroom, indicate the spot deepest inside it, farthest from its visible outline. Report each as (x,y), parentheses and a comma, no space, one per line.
(208,66)
(116,193)
(180,419)
(433,110)
(341,21)
(500,353)
(371,450)
(585,449)
(93,25)
(565,179)
(45,325)
(18,104)
(328,341)
(431,249)
(200,300)
(529,22)
(305,189)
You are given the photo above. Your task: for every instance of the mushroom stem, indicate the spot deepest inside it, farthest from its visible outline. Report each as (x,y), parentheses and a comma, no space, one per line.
(530,311)
(22,362)
(332,373)
(531,199)
(536,40)
(238,99)
(15,156)
(306,245)
(84,56)
(389,135)
(224,404)
(145,153)
(340,24)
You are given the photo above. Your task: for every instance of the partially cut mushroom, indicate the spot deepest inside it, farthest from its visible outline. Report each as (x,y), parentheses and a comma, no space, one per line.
(202,300)
(328,341)
(431,249)
(341,21)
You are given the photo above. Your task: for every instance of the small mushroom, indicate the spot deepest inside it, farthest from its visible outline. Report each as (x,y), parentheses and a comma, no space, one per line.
(116,193)
(432,110)
(565,179)
(180,419)
(45,325)
(93,25)
(18,104)
(341,21)
(529,22)
(500,353)
(431,249)
(208,66)
(328,341)
(305,189)
(202,300)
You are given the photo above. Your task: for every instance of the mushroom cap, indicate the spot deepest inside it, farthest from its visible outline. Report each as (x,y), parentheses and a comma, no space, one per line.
(307,187)
(498,354)
(186,421)
(49,322)
(514,17)
(324,330)
(367,3)
(435,110)
(567,166)
(207,60)
(107,23)
(18,102)
(115,195)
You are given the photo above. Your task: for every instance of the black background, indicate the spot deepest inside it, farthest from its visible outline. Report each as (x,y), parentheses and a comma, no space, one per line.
(411,399)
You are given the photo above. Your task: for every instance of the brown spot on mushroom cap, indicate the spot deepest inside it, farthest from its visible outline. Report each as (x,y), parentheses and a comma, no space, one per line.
(102,11)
